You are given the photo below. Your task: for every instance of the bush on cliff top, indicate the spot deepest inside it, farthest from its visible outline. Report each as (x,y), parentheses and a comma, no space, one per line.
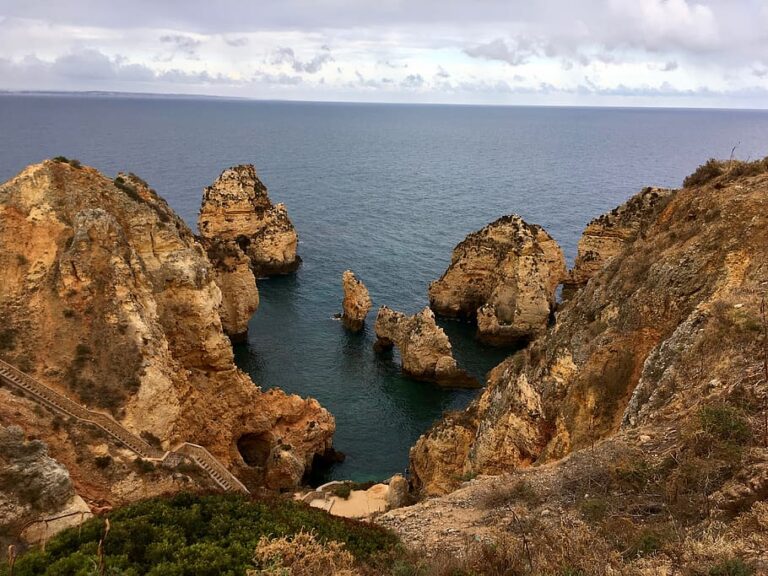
(731,169)
(194,535)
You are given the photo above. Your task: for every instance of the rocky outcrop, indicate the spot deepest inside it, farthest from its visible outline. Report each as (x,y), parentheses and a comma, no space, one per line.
(607,235)
(669,324)
(397,494)
(31,482)
(424,348)
(108,298)
(236,207)
(504,275)
(357,302)
(234,277)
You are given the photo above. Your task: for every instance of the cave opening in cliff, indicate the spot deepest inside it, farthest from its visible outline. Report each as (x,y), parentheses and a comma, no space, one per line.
(255,448)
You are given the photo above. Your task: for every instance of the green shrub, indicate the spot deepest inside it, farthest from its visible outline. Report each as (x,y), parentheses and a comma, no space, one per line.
(730,567)
(71,161)
(103,461)
(143,466)
(726,423)
(341,490)
(7,338)
(196,535)
(708,171)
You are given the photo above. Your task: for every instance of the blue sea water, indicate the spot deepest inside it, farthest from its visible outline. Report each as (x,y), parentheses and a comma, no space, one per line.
(386,190)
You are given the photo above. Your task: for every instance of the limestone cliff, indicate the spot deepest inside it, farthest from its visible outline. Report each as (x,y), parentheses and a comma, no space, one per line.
(357,302)
(234,277)
(108,298)
(236,207)
(606,236)
(671,323)
(424,347)
(30,483)
(505,275)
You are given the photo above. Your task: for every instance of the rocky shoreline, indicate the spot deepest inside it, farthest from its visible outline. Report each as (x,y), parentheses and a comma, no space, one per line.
(659,339)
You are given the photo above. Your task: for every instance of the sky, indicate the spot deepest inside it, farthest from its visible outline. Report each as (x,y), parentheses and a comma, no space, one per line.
(704,53)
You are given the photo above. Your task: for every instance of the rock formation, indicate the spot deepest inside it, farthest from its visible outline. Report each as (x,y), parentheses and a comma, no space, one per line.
(505,275)
(606,236)
(397,494)
(234,277)
(31,482)
(236,207)
(424,348)
(357,302)
(670,324)
(108,298)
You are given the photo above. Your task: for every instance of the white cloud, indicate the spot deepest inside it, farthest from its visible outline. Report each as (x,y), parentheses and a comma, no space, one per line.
(492,51)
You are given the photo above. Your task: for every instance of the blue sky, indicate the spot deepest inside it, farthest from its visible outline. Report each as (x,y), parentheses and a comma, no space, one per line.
(556,52)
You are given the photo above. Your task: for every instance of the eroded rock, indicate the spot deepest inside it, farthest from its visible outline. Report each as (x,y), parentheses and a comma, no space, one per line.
(656,332)
(234,277)
(236,207)
(357,302)
(504,275)
(424,347)
(112,301)
(607,235)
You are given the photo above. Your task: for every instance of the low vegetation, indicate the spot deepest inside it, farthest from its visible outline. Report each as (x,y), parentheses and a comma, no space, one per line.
(208,535)
(729,169)
(71,161)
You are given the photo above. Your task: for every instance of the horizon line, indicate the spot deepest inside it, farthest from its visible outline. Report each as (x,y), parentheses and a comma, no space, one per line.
(183,96)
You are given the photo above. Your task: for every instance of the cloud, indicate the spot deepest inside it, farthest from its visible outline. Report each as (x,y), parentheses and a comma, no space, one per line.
(92,69)
(412,81)
(238,42)
(661,24)
(285,55)
(517,52)
(185,45)
(435,50)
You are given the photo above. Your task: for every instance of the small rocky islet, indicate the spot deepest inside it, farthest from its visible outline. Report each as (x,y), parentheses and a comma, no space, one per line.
(656,351)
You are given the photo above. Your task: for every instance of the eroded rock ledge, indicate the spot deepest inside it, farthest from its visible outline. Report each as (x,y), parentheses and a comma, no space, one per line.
(504,275)
(357,302)
(236,207)
(607,235)
(424,347)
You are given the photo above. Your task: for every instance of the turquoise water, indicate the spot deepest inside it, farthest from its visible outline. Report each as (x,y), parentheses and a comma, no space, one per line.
(386,190)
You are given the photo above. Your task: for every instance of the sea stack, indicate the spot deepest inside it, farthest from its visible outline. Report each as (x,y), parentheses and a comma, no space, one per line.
(424,348)
(357,302)
(505,276)
(237,207)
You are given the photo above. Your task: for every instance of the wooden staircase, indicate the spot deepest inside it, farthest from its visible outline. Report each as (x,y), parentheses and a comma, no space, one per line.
(45,395)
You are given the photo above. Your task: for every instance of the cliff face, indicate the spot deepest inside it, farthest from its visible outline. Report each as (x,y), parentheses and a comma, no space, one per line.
(424,348)
(239,294)
(606,236)
(669,323)
(505,275)
(236,207)
(30,483)
(108,298)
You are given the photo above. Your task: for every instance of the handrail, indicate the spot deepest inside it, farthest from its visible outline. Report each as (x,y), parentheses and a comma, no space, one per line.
(50,397)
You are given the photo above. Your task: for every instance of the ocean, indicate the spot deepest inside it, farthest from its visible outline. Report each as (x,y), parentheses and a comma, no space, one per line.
(383,189)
